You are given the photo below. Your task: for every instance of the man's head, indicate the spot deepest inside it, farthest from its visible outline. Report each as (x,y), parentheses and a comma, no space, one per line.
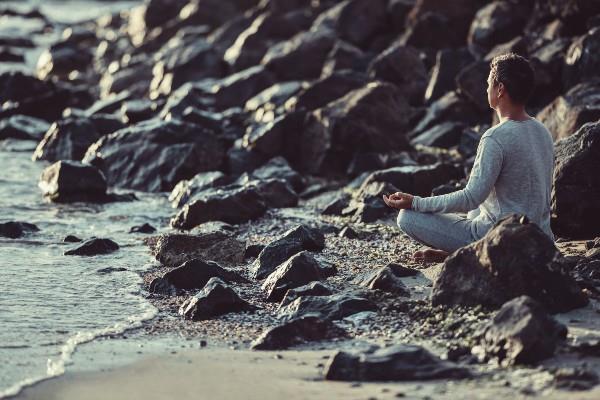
(511,80)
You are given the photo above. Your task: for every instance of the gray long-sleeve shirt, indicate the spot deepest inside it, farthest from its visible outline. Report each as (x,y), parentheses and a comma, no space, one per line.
(512,174)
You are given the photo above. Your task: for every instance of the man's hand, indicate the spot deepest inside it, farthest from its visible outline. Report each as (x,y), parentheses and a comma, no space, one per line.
(399,200)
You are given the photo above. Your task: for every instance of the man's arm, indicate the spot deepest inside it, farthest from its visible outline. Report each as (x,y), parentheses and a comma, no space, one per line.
(485,172)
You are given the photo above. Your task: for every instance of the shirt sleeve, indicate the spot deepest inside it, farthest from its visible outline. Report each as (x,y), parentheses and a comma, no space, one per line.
(485,172)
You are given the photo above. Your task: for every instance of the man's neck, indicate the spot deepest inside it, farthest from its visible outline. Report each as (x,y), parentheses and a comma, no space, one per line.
(512,112)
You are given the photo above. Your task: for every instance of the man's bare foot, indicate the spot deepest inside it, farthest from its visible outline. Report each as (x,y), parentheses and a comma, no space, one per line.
(430,255)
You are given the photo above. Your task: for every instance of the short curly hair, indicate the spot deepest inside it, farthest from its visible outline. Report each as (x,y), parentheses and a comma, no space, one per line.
(517,75)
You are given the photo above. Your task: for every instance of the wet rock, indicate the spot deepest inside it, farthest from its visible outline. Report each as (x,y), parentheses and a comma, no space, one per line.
(445,135)
(278,168)
(155,155)
(298,270)
(449,62)
(395,363)
(330,308)
(16,229)
(290,243)
(301,57)
(72,239)
(186,189)
(515,258)
(231,204)
(94,247)
(312,289)
(575,193)
(70,181)
(173,250)
(323,91)
(495,23)
(353,124)
(566,114)
(110,270)
(387,279)
(216,298)
(582,59)
(193,274)
(23,127)
(298,331)
(472,83)
(402,66)
(145,228)
(522,332)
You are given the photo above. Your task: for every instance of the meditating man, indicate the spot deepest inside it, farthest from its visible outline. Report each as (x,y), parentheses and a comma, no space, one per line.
(512,173)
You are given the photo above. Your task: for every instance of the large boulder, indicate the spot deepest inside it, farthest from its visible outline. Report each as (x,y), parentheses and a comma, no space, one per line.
(187,188)
(73,53)
(522,332)
(514,258)
(297,271)
(295,332)
(16,229)
(173,249)
(471,81)
(330,308)
(445,135)
(583,59)
(71,181)
(23,127)
(576,189)
(400,362)
(290,243)
(319,93)
(155,155)
(448,63)
(279,168)
(216,298)
(565,115)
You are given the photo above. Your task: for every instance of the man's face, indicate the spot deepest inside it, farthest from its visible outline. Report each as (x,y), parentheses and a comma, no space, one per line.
(492,92)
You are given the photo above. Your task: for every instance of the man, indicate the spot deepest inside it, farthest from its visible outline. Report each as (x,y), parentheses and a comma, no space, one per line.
(512,173)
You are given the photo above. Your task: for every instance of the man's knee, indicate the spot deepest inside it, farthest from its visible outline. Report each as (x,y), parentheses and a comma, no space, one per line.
(405,220)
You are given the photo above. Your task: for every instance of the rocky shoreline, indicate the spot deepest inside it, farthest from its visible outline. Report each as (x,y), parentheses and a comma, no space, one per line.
(275,127)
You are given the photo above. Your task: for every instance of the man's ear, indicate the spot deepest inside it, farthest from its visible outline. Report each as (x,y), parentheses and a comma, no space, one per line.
(500,89)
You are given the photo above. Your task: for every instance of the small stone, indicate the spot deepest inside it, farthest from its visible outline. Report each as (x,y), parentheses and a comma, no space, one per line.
(93,247)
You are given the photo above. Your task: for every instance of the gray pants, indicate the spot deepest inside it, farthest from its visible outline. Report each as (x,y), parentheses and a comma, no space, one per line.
(446,232)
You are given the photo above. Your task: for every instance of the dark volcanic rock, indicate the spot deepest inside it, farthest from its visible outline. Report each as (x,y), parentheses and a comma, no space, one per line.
(395,363)
(66,56)
(449,62)
(276,193)
(271,139)
(155,155)
(515,258)
(576,190)
(522,332)
(172,250)
(298,270)
(387,280)
(232,204)
(93,247)
(445,135)
(344,56)
(216,298)
(70,181)
(312,289)
(583,59)
(193,274)
(278,168)
(145,228)
(186,189)
(337,205)
(16,229)
(472,82)
(331,308)
(295,332)
(323,91)
(291,242)
(23,127)
(566,114)
(71,239)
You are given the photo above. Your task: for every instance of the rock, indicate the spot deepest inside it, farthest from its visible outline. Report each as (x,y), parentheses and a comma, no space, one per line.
(23,127)
(575,193)
(16,229)
(69,139)
(402,66)
(70,181)
(367,204)
(64,57)
(298,331)
(236,89)
(298,270)
(450,187)
(514,258)
(273,138)
(495,23)
(315,288)
(355,21)
(276,193)
(193,274)
(173,250)
(522,332)
(11,55)
(566,114)
(448,63)
(253,250)
(582,62)
(371,119)
(385,279)
(344,56)
(446,135)
(472,83)
(186,189)
(216,298)
(290,243)
(72,239)
(93,247)
(548,62)
(348,233)
(323,91)
(155,155)
(329,308)
(145,228)
(232,204)
(337,205)
(577,378)
(138,110)
(301,57)
(278,168)
(401,362)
